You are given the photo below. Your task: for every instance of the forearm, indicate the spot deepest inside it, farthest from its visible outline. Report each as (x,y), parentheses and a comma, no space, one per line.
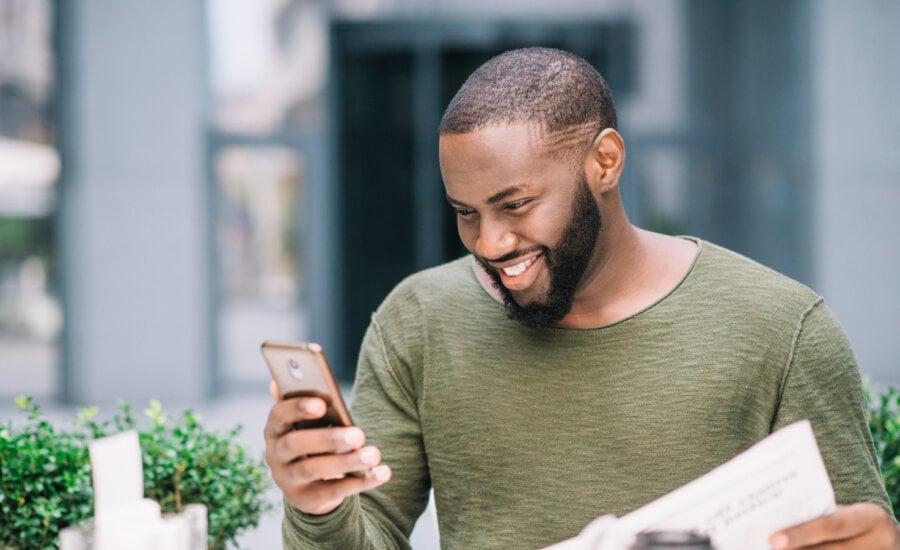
(381,517)
(348,526)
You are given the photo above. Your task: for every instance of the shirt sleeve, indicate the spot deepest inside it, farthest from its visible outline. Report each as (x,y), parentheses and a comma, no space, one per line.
(822,383)
(384,405)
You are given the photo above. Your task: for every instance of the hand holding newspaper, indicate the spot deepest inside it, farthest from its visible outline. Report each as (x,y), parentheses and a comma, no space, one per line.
(779,482)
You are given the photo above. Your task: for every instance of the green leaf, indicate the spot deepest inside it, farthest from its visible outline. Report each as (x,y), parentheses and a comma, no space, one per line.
(23,402)
(85,416)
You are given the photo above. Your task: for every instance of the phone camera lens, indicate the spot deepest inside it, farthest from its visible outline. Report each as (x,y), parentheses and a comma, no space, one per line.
(295,369)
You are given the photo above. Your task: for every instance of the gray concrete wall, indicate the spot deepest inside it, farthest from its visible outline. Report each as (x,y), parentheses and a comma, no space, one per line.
(134,255)
(857,158)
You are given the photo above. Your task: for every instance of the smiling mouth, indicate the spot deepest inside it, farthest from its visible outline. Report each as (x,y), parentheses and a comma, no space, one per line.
(519,268)
(519,276)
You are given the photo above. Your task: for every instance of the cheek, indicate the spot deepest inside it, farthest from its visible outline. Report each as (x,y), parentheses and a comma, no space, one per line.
(467,233)
(549,226)
(558,223)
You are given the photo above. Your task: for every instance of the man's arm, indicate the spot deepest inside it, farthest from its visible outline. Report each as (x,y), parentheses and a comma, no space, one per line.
(384,409)
(823,383)
(311,468)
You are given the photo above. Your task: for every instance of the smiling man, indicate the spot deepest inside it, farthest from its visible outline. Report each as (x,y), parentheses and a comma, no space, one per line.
(573,365)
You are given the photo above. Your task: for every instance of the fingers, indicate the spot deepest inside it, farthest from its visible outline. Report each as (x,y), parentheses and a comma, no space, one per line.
(333,466)
(318,484)
(863,525)
(312,466)
(273,391)
(316,441)
(285,445)
(321,497)
(285,413)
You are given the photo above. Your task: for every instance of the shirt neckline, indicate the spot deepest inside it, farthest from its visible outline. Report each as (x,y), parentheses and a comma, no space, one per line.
(491,293)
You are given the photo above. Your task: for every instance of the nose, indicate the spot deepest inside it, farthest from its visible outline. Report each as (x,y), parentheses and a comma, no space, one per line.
(494,240)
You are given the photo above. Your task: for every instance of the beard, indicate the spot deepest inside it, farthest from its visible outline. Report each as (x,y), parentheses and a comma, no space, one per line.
(566,263)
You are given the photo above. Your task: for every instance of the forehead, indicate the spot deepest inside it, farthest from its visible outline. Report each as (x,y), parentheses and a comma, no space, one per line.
(520,140)
(498,156)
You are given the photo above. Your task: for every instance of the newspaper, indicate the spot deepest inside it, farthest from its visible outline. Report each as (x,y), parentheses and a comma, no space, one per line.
(778,482)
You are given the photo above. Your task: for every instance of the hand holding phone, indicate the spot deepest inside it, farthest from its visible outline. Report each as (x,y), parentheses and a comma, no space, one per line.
(315,453)
(301,370)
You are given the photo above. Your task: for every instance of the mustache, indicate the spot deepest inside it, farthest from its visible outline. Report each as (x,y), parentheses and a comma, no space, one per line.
(513,255)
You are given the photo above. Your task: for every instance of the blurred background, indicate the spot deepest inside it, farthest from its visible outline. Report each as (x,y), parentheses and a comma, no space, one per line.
(180,180)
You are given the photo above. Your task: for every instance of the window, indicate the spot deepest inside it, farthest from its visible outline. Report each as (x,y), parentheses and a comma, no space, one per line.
(268,66)
(30,315)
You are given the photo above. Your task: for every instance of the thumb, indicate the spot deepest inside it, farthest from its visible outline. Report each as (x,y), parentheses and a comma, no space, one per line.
(273,389)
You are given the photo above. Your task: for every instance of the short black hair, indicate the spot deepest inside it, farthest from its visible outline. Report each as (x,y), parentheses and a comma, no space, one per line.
(553,88)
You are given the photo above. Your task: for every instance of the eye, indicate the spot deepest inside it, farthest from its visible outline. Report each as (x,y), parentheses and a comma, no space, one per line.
(516,205)
(463,211)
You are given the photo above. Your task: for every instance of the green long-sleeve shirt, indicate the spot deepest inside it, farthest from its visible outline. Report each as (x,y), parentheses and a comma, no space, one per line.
(528,434)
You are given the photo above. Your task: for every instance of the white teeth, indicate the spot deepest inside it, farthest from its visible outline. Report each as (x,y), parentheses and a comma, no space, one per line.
(519,268)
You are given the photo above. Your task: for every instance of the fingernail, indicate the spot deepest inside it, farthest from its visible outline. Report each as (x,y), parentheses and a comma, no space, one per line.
(353,437)
(313,406)
(381,473)
(368,456)
(779,541)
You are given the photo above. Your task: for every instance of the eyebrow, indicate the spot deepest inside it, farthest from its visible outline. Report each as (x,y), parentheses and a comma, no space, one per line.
(493,199)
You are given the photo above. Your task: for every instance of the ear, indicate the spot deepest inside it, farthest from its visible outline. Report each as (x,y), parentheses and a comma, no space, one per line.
(605,160)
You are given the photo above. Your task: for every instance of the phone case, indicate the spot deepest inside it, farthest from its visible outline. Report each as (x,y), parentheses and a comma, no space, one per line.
(301,369)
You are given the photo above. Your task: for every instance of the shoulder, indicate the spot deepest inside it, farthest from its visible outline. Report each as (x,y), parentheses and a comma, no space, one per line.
(419,308)
(725,273)
(441,291)
(726,292)
(454,277)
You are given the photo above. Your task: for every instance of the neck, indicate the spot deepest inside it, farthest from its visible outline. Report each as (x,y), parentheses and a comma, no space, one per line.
(631,270)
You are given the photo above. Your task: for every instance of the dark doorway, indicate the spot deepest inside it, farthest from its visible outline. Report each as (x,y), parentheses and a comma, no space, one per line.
(392,81)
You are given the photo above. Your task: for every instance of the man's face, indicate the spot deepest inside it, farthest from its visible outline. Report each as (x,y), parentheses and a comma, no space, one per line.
(528,219)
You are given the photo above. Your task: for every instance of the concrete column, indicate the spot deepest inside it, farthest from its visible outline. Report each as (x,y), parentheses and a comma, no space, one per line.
(134,227)
(857,115)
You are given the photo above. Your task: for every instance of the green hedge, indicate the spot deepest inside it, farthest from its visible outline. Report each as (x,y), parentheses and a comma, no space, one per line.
(884,422)
(45,475)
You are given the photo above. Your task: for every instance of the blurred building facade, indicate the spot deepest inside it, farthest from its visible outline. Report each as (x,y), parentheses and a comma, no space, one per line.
(234,171)
(30,313)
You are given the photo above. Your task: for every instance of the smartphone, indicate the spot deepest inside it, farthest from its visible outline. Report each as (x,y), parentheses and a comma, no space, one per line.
(301,369)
